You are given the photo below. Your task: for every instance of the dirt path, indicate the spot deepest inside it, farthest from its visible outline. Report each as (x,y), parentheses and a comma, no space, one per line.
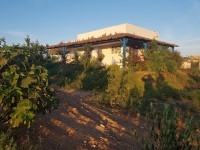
(80,124)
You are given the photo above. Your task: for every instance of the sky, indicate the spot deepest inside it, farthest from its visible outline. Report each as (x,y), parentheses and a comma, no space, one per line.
(54,21)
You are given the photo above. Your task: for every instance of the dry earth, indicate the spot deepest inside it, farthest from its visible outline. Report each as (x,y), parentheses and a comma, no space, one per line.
(81,124)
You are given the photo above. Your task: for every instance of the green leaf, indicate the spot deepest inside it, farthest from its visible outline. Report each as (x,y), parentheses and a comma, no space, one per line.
(15,79)
(1,97)
(22,113)
(34,106)
(26,81)
(13,100)
(22,74)
(33,94)
(31,73)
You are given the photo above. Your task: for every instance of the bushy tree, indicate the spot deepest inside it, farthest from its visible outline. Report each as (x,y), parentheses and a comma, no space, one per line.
(161,59)
(24,89)
(86,57)
(87,72)
(115,85)
(122,89)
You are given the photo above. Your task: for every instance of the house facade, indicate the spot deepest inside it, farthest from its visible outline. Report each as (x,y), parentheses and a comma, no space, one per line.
(191,62)
(115,43)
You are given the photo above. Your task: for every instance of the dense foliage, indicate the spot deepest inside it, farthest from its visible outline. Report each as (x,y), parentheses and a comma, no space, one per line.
(167,130)
(24,89)
(87,73)
(161,59)
(6,141)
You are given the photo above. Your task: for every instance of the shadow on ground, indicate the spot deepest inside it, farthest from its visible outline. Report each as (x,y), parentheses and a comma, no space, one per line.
(81,124)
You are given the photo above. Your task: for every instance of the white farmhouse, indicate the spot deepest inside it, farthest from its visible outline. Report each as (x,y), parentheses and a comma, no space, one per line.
(114,43)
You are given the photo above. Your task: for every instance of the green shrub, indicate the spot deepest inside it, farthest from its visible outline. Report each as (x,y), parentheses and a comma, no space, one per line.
(134,102)
(124,88)
(95,80)
(76,83)
(115,84)
(171,65)
(6,141)
(104,98)
(194,96)
(161,59)
(166,132)
(87,73)
(195,75)
(24,88)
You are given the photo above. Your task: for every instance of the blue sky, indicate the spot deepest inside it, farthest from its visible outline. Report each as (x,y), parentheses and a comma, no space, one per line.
(53,21)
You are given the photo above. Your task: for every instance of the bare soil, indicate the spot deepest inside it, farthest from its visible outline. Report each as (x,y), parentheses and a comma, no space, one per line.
(81,124)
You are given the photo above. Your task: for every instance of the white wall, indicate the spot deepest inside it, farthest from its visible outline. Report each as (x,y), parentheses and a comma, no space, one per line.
(122,28)
(186,65)
(112,55)
(111,58)
(94,53)
(142,31)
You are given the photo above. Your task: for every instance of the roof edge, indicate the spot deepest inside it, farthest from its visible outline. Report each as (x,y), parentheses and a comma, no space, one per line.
(107,38)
